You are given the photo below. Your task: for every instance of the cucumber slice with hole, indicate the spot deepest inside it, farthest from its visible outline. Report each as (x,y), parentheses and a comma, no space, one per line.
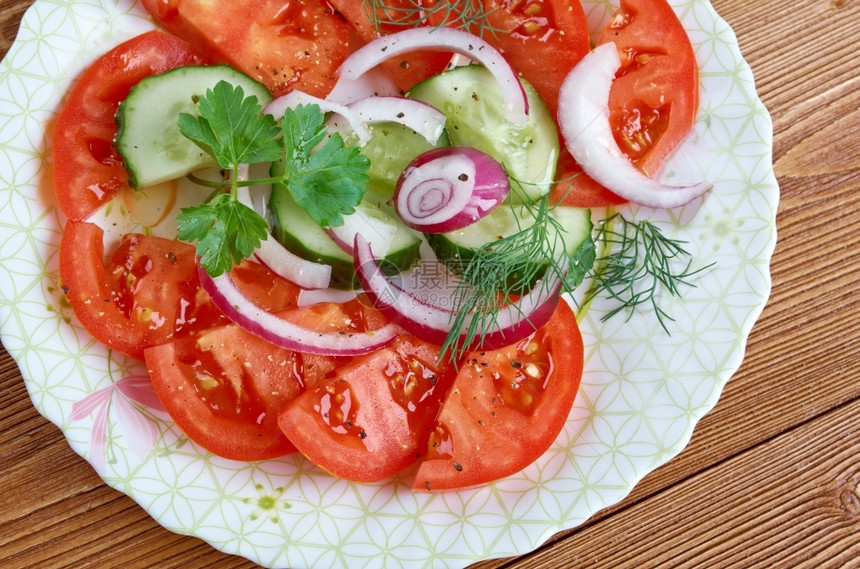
(148,138)
(472,101)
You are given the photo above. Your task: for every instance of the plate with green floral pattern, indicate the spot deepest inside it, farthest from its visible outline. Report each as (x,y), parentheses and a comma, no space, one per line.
(642,392)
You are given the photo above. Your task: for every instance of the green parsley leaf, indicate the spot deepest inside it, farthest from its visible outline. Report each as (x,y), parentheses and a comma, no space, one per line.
(232,128)
(326,178)
(226,232)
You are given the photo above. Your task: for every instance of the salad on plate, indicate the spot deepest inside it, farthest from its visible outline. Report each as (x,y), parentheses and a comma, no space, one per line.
(336,252)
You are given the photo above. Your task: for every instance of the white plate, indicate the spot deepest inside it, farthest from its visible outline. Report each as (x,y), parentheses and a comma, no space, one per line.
(642,393)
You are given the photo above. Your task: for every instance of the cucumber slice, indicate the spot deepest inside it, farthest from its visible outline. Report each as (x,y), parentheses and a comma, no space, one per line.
(299,233)
(472,101)
(456,248)
(148,138)
(392,146)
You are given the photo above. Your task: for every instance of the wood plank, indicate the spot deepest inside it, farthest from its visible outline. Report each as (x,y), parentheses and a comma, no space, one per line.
(10,18)
(793,501)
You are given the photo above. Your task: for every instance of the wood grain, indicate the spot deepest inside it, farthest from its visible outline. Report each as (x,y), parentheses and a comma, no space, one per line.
(771,477)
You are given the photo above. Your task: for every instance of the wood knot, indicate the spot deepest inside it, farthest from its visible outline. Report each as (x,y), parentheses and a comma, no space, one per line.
(849,502)
(838,4)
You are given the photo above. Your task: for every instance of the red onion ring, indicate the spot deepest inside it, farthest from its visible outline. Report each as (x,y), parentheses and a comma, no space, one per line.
(424,119)
(446,189)
(374,228)
(432,323)
(583,119)
(250,317)
(291,100)
(289,266)
(442,39)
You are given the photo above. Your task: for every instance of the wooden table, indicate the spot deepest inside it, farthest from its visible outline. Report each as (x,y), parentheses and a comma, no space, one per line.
(772,475)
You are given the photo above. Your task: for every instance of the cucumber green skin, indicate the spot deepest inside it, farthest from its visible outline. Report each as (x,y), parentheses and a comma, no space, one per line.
(472,101)
(294,229)
(148,138)
(342,269)
(456,250)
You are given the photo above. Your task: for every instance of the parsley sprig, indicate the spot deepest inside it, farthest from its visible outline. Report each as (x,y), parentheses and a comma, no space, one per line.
(326,178)
(232,128)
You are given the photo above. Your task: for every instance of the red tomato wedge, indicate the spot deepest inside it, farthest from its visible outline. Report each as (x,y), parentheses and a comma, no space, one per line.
(576,188)
(87,170)
(396,15)
(354,316)
(655,95)
(224,389)
(148,292)
(374,417)
(654,98)
(541,39)
(506,408)
(284,45)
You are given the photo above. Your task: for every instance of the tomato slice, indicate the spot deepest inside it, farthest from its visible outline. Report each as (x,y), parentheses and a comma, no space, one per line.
(148,291)
(87,170)
(373,418)
(224,389)
(654,99)
(506,408)
(354,316)
(284,45)
(393,16)
(576,188)
(655,96)
(541,39)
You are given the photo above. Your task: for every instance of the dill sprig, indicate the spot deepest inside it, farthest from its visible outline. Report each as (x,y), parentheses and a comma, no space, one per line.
(505,268)
(470,15)
(637,263)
